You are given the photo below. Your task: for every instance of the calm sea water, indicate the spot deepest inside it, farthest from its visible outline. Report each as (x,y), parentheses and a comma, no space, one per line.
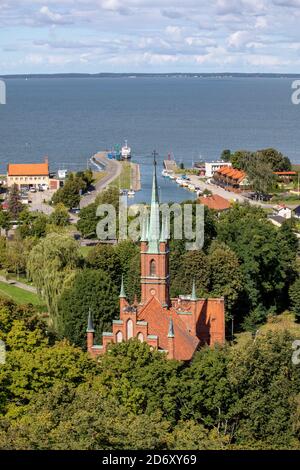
(70,119)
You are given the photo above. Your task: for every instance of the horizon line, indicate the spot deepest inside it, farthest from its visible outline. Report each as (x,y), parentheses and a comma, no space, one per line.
(151,74)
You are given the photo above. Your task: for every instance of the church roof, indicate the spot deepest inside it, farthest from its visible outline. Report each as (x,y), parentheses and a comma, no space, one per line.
(158,318)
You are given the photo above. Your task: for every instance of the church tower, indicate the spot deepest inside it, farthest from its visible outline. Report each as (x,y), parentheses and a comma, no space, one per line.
(155,252)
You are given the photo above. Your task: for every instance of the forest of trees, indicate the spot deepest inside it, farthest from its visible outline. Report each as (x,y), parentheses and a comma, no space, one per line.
(243,395)
(54,396)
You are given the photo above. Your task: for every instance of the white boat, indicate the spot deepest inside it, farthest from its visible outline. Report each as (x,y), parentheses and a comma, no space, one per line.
(126,151)
(172,177)
(165,173)
(131,193)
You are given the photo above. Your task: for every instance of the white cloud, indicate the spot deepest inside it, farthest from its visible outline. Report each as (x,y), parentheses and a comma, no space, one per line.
(239,39)
(150,34)
(49,16)
(261,23)
(174,32)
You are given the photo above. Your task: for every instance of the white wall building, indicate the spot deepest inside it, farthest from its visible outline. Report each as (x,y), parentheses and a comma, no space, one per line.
(212,167)
(284,212)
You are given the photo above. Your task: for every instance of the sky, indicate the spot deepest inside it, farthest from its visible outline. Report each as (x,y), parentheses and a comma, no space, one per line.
(59,36)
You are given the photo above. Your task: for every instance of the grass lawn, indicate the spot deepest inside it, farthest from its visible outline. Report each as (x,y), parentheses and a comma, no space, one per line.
(285,321)
(124,180)
(21,296)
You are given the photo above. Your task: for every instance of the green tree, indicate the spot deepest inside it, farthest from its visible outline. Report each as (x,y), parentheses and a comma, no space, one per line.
(260,174)
(194,267)
(91,290)
(17,252)
(142,380)
(265,386)
(226,278)
(27,372)
(60,216)
(88,220)
(132,279)
(126,251)
(34,224)
(239,159)
(15,206)
(82,419)
(5,221)
(190,435)
(52,264)
(276,159)
(69,194)
(106,258)
(226,155)
(294,294)
(267,270)
(206,393)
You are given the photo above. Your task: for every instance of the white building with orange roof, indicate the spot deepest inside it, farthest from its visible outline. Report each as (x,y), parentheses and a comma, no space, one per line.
(28,174)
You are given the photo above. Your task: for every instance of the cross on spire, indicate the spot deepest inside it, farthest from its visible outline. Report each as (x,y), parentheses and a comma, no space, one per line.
(155,154)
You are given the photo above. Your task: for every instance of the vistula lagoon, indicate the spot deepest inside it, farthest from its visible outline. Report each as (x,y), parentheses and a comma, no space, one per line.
(70,119)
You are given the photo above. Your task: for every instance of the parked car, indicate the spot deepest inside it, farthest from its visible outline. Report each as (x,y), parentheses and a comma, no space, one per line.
(75,210)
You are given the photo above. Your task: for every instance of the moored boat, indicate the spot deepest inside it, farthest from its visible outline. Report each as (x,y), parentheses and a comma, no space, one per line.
(126,151)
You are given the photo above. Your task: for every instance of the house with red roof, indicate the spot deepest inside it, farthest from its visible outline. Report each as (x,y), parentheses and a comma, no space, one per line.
(176,326)
(28,174)
(231,179)
(215,202)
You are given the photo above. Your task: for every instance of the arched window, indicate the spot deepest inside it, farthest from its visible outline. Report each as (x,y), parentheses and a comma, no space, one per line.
(119,337)
(152,268)
(140,337)
(129,329)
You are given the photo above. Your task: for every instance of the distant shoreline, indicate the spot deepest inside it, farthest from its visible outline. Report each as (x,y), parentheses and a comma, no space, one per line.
(153,75)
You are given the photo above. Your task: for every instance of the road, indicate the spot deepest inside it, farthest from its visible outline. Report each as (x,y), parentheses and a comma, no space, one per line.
(230,196)
(113,170)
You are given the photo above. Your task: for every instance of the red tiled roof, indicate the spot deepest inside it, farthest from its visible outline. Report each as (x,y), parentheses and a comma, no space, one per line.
(232,173)
(158,319)
(28,169)
(215,202)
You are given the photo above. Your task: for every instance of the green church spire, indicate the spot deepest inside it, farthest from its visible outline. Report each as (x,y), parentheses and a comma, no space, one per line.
(171,333)
(194,296)
(90,325)
(122,291)
(154,224)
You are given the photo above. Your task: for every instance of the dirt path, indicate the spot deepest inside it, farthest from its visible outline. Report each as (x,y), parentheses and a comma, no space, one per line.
(19,284)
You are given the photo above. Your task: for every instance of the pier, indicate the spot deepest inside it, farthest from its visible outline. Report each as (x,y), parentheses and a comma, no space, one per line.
(170,165)
(112,169)
(135,176)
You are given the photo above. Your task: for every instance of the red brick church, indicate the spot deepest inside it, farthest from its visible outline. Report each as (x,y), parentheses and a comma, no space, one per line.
(176,326)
